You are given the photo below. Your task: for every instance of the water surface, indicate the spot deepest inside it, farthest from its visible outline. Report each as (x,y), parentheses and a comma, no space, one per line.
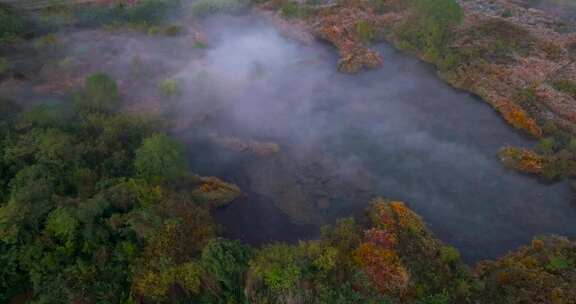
(398,132)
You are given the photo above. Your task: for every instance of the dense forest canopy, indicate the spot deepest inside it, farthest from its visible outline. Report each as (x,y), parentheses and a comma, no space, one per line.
(99,206)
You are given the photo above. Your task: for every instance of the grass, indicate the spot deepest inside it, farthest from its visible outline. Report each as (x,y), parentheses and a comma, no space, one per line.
(365,31)
(204,8)
(565,86)
(504,39)
(145,12)
(290,9)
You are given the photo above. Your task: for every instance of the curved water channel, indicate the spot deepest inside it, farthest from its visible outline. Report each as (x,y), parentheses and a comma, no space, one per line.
(398,132)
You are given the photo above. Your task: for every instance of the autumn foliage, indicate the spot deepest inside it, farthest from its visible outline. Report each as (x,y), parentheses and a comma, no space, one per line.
(522,160)
(384,268)
(542,272)
(341,28)
(518,118)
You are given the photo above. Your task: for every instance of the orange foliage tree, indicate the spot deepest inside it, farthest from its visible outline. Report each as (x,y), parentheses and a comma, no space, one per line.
(523,160)
(518,118)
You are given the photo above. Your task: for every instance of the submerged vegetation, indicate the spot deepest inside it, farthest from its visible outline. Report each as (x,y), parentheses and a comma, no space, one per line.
(98,205)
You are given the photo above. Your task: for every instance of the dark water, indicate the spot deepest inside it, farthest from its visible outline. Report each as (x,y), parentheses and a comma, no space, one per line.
(398,132)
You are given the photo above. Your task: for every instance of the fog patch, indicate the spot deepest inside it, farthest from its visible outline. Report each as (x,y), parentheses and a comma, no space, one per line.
(308,145)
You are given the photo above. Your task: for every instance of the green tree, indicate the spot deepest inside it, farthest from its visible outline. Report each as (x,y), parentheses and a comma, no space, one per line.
(226,262)
(8,110)
(100,94)
(62,223)
(431,26)
(11,25)
(438,17)
(279,267)
(159,157)
(170,88)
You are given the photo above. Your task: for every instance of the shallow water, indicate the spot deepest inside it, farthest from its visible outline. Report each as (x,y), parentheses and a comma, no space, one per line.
(398,132)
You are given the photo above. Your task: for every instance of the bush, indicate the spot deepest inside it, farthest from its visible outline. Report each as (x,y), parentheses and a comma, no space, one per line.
(365,31)
(100,94)
(291,9)
(278,267)
(441,298)
(145,12)
(449,254)
(99,15)
(200,45)
(226,262)
(11,26)
(8,110)
(538,273)
(565,86)
(149,11)
(170,87)
(153,30)
(507,14)
(501,40)
(47,41)
(172,30)
(159,157)
(5,65)
(430,29)
(527,99)
(204,8)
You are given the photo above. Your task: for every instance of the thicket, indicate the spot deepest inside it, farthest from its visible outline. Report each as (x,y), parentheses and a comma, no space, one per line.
(430,27)
(146,12)
(553,159)
(170,87)
(290,9)
(12,27)
(366,31)
(95,204)
(499,41)
(565,86)
(203,8)
(99,207)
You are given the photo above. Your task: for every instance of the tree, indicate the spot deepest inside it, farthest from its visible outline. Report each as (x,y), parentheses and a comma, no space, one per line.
(159,157)
(278,267)
(438,17)
(431,26)
(8,110)
(11,25)
(100,94)
(226,262)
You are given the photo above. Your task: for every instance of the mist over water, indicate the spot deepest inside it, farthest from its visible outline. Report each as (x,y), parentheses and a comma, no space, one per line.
(398,132)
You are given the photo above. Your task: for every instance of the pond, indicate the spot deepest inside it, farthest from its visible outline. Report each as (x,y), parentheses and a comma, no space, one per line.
(309,145)
(399,132)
